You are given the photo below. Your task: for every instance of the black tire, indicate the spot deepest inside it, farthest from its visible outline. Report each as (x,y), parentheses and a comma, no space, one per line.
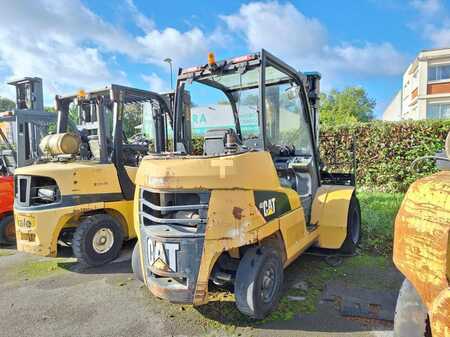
(136,262)
(411,316)
(353,238)
(104,226)
(7,230)
(258,265)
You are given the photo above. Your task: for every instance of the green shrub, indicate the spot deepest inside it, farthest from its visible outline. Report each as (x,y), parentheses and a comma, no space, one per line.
(384,151)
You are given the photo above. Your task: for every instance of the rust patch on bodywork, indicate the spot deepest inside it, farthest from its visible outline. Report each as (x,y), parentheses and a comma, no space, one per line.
(237,213)
(421,245)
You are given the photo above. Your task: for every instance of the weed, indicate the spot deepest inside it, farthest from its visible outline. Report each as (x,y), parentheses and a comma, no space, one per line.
(6,252)
(38,269)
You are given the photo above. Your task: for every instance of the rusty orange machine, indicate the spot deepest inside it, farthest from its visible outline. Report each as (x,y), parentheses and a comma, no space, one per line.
(422,254)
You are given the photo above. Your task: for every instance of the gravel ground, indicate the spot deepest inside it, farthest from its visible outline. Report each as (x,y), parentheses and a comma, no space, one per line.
(56,297)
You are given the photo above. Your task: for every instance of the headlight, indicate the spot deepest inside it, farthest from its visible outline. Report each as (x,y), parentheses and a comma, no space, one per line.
(47,194)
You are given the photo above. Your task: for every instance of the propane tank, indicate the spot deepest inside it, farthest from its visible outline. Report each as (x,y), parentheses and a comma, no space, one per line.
(60,143)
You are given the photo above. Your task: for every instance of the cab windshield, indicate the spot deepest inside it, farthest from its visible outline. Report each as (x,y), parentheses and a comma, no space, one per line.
(232,98)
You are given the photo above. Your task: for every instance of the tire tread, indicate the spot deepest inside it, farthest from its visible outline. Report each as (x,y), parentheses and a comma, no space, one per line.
(78,242)
(3,223)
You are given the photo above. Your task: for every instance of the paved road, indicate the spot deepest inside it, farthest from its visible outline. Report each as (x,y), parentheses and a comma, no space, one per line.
(61,299)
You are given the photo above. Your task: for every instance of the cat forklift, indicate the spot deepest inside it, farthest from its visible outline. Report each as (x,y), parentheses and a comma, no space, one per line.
(422,254)
(245,209)
(21,131)
(80,193)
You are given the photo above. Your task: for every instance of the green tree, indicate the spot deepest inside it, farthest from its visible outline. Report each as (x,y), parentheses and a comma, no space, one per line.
(133,117)
(348,106)
(6,104)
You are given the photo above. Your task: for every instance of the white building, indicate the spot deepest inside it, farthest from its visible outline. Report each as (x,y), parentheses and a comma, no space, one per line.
(425,93)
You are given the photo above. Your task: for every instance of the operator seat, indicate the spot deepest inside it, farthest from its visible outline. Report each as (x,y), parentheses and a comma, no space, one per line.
(216,139)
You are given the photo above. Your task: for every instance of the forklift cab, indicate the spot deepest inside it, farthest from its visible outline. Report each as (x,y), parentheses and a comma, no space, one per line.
(257,103)
(98,118)
(23,128)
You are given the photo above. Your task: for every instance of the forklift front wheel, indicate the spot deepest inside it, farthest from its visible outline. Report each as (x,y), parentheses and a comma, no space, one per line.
(7,230)
(136,262)
(97,240)
(258,283)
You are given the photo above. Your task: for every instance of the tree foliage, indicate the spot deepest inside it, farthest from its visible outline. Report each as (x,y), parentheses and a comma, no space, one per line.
(6,104)
(133,117)
(348,106)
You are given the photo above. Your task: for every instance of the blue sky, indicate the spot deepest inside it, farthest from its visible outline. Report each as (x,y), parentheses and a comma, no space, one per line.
(76,44)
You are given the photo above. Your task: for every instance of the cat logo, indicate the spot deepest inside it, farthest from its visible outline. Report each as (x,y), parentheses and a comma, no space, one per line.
(163,256)
(267,207)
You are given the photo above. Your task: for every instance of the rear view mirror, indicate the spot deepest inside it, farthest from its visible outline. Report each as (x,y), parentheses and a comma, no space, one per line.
(292,92)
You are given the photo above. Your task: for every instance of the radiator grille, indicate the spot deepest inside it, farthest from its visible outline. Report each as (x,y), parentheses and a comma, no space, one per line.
(186,208)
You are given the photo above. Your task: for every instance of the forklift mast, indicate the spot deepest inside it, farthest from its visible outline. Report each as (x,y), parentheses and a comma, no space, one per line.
(313,92)
(28,123)
(29,94)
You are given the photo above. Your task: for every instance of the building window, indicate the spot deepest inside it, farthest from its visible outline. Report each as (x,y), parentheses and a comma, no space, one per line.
(439,72)
(438,111)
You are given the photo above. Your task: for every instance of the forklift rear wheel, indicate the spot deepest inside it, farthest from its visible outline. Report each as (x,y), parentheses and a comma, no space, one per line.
(136,262)
(353,238)
(258,283)
(7,230)
(97,240)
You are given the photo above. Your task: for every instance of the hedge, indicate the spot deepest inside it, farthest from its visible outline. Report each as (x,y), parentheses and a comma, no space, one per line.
(384,151)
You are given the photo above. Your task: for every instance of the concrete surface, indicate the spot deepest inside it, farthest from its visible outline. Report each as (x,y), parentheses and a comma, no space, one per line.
(67,300)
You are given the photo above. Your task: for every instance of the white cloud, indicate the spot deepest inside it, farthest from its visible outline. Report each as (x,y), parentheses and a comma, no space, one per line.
(371,59)
(182,47)
(433,22)
(63,42)
(71,47)
(438,36)
(156,83)
(281,28)
(143,22)
(427,7)
(302,41)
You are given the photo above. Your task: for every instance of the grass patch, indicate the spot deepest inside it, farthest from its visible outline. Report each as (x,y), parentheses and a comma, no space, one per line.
(37,269)
(378,212)
(316,272)
(221,311)
(6,252)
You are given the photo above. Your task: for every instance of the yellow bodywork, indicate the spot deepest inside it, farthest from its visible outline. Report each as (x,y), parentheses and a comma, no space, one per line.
(37,231)
(234,219)
(422,245)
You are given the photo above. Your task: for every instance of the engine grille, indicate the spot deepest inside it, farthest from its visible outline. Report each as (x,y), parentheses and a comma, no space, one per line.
(26,190)
(186,208)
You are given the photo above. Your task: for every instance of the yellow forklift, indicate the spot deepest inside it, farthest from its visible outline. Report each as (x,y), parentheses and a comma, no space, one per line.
(80,193)
(254,200)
